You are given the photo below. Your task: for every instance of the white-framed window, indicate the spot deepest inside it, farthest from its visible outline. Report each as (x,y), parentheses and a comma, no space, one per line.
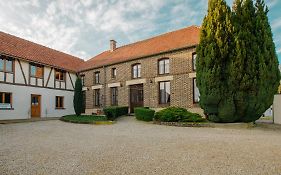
(136,70)
(5,100)
(97,78)
(196,93)
(164,66)
(6,64)
(59,102)
(113,73)
(164,92)
(36,71)
(60,75)
(194,56)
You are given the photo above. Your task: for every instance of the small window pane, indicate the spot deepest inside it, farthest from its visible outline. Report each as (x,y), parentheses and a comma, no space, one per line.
(161,67)
(164,92)
(167,66)
(97,78)
(57,76)
(168,92)
(9,65)
(32,70)
(1,64)
(196,92)
(194,56)
(39,72)
(7,98)
(139,70)
(113,73)
(61,76)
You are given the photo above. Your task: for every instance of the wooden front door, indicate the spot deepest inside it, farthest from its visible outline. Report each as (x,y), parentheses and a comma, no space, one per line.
(35,105)
(136,96)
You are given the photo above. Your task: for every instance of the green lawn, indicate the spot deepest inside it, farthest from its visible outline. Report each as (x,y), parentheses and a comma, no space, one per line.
(84,118)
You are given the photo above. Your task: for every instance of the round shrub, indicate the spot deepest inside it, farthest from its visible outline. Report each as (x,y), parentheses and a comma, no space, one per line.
(175,114)
(144,114)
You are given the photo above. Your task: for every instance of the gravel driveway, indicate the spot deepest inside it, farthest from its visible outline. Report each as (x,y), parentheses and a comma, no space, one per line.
(134,147)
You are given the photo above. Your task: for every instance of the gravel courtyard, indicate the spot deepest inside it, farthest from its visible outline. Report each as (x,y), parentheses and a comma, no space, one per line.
(134,147)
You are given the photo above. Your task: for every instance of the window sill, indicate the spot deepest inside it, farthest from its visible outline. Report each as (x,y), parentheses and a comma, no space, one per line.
(60,108)
(166,74)
(8,109)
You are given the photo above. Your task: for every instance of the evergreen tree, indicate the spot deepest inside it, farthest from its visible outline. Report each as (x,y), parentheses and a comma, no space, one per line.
(78,97)
(237,73)
(213,53)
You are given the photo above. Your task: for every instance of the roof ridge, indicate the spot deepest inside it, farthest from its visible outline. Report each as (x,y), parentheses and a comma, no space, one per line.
(41,45)
(157,36)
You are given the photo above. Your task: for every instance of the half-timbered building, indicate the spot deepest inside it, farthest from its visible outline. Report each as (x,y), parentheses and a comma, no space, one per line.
(35,81)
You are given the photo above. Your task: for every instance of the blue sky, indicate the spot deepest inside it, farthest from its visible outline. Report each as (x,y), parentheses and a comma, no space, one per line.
(83,28)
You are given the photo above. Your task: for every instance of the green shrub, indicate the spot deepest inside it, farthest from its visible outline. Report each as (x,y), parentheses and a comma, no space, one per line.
(175,114)
(113,112)
(144,114)
(84,118)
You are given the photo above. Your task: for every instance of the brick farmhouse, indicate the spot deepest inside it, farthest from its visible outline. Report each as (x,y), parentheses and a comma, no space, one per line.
(36,81)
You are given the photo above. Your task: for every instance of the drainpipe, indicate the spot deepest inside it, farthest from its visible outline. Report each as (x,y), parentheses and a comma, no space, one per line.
(104,86)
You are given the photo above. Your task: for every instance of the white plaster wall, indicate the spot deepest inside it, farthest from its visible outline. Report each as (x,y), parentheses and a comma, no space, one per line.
(68,81)
(277,109)
(9,78)
(25,68)
(73,77)
(52,77)
(21,96)
(18,74)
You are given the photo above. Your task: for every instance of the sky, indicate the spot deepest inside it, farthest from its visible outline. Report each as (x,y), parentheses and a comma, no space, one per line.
(83,28)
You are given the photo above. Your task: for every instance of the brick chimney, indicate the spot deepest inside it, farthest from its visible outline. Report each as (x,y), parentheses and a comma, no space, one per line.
(112,45)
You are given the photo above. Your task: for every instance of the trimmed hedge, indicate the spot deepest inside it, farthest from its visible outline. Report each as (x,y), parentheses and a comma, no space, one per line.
(83,118)
(144,114)
(175,114)
(113,112)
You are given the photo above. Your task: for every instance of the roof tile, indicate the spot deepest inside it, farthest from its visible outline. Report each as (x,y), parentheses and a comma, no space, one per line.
(185,37)
(33,52)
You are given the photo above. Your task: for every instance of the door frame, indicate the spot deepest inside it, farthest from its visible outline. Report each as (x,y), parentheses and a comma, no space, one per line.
(39,104)
(130,91)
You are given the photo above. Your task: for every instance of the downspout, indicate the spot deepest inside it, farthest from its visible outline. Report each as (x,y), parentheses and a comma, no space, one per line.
(104,87)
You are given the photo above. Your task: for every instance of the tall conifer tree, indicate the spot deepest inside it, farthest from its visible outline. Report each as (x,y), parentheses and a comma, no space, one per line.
(238,73)
(78,97)
(214,51)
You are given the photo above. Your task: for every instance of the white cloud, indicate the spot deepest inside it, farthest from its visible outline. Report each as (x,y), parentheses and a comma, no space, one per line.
(279,51)
(83,27)
(276,24)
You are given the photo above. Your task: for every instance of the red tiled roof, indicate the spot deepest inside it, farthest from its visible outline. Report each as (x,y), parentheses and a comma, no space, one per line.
(185,37)
(33,52)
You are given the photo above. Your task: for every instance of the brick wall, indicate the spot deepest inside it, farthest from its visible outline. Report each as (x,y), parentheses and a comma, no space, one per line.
(181,85)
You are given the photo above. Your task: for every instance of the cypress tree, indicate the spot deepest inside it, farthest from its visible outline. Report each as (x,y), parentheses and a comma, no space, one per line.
(78,97)
(237,73)
(213,53)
